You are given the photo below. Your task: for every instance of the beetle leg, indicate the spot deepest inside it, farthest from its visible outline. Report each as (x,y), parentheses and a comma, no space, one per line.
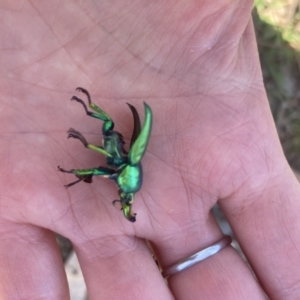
(100,171)
(72,133)
(87,174)
(84,91)
(102,115)
(115,201)
(72,183)
(86,178)
(63,170)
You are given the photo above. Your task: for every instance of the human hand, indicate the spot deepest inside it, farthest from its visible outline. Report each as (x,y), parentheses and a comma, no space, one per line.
(213,139)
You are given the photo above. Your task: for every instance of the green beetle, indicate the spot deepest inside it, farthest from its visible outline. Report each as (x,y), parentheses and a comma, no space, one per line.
(123,167)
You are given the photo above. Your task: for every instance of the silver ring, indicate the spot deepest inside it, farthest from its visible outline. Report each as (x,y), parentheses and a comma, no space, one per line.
(198,256)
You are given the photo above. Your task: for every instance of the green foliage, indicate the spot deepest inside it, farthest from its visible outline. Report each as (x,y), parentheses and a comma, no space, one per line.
(278,34)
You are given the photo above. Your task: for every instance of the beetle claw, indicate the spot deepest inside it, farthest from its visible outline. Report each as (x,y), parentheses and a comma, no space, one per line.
(65,171)
(115,201)
(60,169)
(72,133)
(72,183)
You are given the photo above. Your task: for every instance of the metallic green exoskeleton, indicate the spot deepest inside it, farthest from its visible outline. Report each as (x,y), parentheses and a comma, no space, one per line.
(123,167)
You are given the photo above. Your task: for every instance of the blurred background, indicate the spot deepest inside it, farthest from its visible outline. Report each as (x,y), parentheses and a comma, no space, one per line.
(277,24)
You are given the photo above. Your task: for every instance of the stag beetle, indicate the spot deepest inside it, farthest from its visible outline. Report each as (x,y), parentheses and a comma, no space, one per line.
(123,167)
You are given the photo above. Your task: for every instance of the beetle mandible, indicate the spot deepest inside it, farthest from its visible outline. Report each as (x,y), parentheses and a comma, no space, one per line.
(123,167)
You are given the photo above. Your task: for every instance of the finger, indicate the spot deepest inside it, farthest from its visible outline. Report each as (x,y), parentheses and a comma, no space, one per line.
(120,267)
(221,276)
(30,263)
(267,227)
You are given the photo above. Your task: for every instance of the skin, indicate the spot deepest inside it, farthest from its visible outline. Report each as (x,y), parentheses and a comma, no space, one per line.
(213,139)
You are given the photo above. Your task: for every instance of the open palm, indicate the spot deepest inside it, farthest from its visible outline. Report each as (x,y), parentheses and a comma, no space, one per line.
(213,139)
